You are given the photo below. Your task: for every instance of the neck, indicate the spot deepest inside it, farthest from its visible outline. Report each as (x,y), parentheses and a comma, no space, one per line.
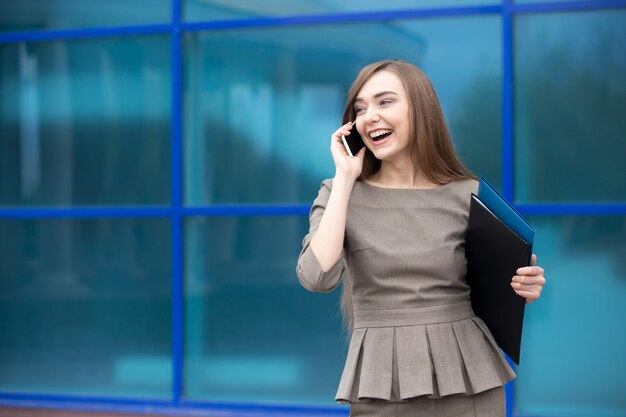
(401,174)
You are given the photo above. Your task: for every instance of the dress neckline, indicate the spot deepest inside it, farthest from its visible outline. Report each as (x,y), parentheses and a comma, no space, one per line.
(378,187)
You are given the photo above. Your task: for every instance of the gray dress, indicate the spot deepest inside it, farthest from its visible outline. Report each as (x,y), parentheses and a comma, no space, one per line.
(415,334)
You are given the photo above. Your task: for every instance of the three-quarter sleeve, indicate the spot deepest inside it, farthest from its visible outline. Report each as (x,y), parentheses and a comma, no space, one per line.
(309,271)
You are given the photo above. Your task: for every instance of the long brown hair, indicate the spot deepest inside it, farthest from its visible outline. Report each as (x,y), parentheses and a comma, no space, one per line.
(430,146)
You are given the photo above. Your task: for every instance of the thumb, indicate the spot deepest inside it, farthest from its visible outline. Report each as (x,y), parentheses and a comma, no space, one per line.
(533,260)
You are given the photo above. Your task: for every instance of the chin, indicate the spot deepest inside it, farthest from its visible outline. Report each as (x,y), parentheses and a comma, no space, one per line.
(382,154)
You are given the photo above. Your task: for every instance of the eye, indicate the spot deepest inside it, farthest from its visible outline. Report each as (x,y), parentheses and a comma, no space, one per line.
(386,101)
(358,110)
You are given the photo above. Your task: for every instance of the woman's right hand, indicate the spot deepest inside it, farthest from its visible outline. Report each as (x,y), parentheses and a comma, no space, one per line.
(327,241)
(346,165)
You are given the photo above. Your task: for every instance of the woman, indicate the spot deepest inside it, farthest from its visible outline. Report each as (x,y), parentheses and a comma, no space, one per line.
(393,219)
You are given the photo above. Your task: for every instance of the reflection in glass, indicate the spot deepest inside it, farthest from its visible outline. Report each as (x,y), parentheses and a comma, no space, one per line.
(85,307)
(259,133)
(240,9)
(85,122)
(252,332)
(574,337)
(25,15)
(570,106)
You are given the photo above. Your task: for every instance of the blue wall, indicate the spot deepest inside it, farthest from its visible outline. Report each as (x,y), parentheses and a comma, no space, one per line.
(157,161)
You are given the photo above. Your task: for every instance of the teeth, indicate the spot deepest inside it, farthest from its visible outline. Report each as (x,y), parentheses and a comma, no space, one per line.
(378,133)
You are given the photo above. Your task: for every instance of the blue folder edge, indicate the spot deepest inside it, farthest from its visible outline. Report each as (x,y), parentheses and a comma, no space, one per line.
(505,212)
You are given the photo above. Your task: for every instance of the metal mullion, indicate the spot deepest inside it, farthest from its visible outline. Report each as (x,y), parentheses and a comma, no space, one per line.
(530,208)
(69,34)
(245,210)
(83,212)
(79,402)
(157,407)
(298,20)
(177,203)
(572,209)
(571,6)
(508,157)
(245,409)
(508,168)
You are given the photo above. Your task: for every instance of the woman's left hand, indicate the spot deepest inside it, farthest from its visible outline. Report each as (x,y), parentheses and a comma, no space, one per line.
(529,281)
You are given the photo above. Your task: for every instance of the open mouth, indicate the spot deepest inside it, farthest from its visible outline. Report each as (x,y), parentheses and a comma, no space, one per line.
(379,135)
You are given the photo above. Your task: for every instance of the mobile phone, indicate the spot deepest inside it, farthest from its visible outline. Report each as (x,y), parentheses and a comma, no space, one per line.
(353,142)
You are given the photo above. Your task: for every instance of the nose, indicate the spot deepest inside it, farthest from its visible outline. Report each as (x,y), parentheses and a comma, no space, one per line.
(370,115)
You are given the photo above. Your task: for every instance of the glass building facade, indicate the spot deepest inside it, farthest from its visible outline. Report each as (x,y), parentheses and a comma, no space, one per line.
(158,160)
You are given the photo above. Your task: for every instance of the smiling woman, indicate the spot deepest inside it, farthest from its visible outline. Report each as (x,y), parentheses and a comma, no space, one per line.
(391,224)
(397,96)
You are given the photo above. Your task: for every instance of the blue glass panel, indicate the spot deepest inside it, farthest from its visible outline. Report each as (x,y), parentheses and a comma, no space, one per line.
(252,333)
(85,307)
(574,337)
(24,15)
(238,9)
(570,107)
(261,104)
(85,122)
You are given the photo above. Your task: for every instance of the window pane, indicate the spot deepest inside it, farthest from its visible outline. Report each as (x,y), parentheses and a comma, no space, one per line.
(570,108)
(238,9)
(574,336)
(85,307)
(252,332)
(85,122)
(26,15)
(260,133)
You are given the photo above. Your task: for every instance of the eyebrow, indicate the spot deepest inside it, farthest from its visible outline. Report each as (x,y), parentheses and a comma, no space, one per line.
(382,93)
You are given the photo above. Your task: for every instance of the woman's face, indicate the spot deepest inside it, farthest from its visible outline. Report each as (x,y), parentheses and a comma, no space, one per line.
(382,116)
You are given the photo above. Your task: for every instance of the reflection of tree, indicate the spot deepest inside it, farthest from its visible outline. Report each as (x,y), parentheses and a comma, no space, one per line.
(103,137)
(79,296)
(570,123)
(245,118)
(242,121)
(476,126)
(597,235)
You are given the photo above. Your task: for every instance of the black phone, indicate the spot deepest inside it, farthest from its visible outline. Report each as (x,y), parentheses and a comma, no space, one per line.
(353,142)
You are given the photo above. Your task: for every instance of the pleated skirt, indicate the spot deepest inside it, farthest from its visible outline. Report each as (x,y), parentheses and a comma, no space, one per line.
(490,403)
(437,351)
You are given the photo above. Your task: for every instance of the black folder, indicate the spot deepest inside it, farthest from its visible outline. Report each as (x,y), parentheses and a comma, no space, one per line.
(494,252)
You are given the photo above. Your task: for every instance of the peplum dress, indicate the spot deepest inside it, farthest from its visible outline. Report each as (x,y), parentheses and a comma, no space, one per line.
(414,331)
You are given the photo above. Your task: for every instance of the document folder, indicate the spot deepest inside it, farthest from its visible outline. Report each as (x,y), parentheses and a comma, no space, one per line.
(494,252)
(505,212)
